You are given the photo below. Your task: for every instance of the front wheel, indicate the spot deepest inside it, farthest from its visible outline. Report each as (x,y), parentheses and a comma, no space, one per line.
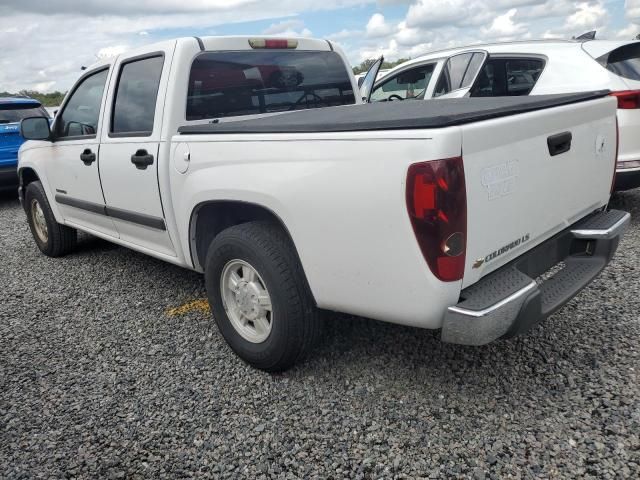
(259,296)
(52,238)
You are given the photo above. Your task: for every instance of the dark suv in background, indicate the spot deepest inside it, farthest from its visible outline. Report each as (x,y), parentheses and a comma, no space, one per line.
(12,110)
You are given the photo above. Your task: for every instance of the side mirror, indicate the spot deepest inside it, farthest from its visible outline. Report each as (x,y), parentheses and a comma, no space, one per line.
(35,128)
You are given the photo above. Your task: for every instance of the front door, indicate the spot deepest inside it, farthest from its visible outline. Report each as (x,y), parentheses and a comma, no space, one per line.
(130,147)
(458,74)
(72,166)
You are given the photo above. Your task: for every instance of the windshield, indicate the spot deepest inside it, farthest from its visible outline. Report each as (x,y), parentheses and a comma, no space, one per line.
(227,84)
(15,113)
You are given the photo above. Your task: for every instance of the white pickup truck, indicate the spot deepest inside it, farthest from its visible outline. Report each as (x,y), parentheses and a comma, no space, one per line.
(479,217)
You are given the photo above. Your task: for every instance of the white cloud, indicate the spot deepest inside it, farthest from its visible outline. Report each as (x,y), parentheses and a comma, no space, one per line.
(344,34)
(439,13)
(101,24)
(43,86)
(378,27)
(284,26)
(588,16)
(114,51)
(627,33)
(409,28)
(503,26)
(632,10)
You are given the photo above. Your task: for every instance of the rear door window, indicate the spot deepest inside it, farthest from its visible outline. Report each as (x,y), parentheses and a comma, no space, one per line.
(458,72)
(228,84)
(136,94)
(623,61)
(502,77)
(410,84)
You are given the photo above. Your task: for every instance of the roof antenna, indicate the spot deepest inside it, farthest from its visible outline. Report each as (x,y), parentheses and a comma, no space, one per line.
(586,36)
(83,68)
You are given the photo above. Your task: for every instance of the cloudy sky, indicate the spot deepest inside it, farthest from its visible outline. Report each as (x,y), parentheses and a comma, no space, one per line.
(45,42)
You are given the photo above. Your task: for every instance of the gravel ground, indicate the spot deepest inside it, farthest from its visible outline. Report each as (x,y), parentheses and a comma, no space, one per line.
(96,380)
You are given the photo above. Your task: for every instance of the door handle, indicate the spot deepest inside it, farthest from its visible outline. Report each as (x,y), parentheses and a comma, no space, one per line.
(88,157)
(141,159)
(559,143)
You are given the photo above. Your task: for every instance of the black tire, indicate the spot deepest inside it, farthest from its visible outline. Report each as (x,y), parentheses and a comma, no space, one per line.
(60,238)
(295,326)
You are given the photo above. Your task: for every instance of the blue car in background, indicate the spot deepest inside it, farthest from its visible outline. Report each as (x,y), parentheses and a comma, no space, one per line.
(12,110)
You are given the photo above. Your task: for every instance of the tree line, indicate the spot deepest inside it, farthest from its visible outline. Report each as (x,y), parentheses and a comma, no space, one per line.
(366,65)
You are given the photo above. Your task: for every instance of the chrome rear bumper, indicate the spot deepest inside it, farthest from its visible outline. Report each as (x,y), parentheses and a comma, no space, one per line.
(511,300)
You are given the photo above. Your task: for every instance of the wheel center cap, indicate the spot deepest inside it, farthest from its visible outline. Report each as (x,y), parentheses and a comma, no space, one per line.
(247,300)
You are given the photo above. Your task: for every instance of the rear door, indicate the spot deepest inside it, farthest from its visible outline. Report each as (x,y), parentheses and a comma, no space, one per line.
(531,175)
(508,75)
(130,147)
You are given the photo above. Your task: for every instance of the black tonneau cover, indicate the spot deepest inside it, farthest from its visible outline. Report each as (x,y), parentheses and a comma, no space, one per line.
(394,115)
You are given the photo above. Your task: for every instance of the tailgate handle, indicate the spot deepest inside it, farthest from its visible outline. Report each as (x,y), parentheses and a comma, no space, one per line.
(559,143)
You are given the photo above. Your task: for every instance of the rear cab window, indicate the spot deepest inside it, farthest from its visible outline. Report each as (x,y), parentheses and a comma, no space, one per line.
(236,83)
(502,77)
(623,61)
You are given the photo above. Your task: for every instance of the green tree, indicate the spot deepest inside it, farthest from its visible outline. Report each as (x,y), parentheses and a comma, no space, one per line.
(366,65)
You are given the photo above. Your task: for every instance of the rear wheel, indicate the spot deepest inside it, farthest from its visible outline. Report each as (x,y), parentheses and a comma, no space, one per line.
(259,296)
(52,238)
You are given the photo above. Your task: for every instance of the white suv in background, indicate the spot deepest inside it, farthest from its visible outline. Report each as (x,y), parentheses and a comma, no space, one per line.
(531,68)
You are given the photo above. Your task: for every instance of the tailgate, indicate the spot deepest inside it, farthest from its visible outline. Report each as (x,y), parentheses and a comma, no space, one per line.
(518,193)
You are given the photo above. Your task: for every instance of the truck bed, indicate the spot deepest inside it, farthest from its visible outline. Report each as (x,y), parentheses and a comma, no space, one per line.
(399,115)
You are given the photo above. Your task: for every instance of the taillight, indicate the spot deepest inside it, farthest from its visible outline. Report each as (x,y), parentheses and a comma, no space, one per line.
(628,99)
(437,205)
(272,43)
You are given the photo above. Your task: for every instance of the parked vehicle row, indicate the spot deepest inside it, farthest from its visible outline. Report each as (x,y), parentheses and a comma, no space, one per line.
(447,216)
(531,68)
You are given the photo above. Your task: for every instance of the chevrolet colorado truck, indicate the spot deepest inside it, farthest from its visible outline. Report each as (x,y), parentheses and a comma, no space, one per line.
(479,217)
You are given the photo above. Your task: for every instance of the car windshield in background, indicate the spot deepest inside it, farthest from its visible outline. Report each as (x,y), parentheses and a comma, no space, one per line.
(623,61)
(405,85)
(226,84)
(12,113)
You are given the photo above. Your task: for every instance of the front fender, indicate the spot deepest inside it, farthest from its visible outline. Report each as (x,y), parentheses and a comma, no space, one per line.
(33,156)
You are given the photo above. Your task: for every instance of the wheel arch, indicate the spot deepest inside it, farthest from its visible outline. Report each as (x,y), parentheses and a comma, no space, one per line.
(210,218)
(26,175)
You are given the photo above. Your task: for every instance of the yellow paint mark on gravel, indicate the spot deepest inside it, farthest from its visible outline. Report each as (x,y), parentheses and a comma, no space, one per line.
(200,306)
